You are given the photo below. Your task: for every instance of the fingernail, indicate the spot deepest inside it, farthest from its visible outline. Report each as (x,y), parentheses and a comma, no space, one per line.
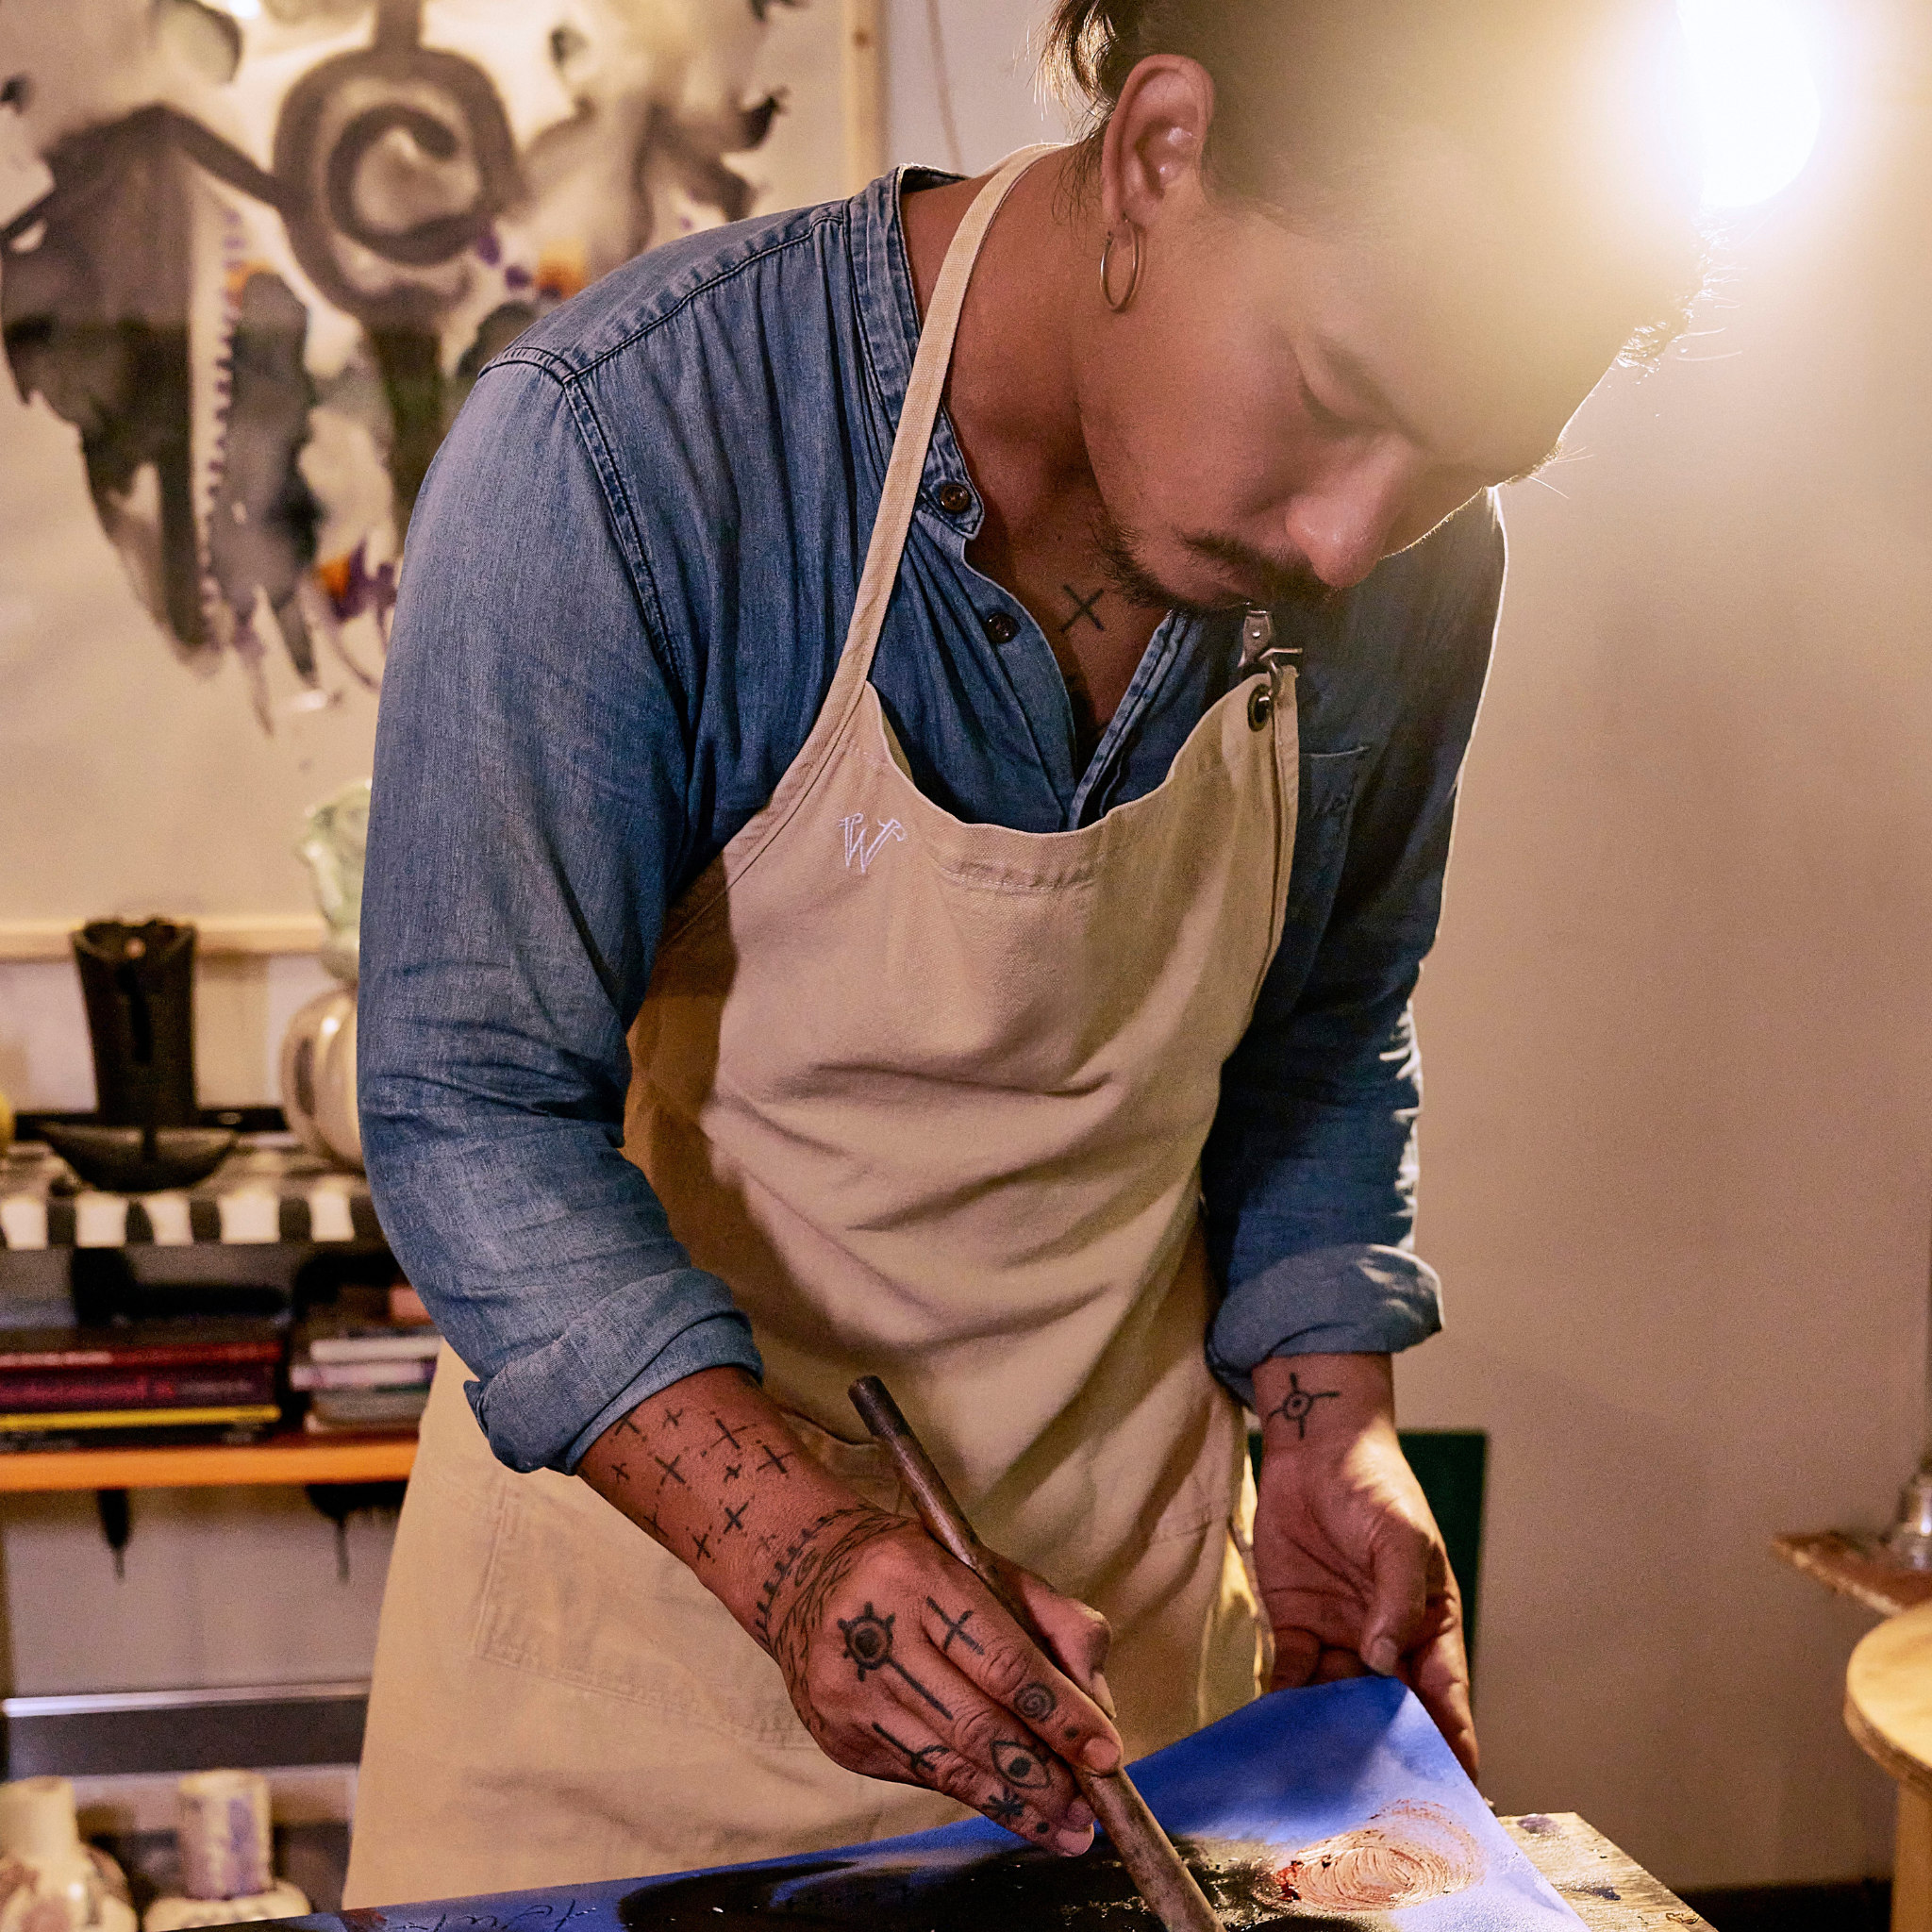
(1103,1696)
(1101,1754)
(1071,1844)
(1382,1656)
(1080,1816)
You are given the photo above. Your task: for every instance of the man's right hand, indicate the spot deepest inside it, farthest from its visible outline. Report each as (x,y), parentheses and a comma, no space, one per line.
(898,1660)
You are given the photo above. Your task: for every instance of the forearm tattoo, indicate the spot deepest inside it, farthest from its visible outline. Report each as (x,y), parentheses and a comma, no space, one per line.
(656,1479)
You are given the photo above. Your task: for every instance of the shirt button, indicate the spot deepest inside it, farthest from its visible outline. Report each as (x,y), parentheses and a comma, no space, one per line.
(1002,627)
(955,499)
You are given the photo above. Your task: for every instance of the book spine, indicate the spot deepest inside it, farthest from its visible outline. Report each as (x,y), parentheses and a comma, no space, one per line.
(374,1348)
(89,1419)
(137,1355)
(152,1388)
(402,1373)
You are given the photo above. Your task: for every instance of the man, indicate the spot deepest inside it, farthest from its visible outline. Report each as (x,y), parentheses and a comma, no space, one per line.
(862,886)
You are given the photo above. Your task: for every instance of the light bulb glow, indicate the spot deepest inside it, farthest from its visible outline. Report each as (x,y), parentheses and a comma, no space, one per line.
(1755,95)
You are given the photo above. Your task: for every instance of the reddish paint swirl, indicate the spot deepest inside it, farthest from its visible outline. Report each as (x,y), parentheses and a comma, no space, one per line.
(1405,1854)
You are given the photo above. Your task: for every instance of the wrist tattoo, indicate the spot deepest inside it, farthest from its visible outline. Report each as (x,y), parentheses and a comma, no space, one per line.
(1298,1405)
(816,1561)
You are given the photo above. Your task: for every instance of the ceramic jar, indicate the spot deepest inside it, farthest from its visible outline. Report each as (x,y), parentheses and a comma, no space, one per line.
(319,1050)
(228,1869)
(50,1881)
(319,1078)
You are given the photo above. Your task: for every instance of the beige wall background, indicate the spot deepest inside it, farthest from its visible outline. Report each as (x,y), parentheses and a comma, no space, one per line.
(1679,1036)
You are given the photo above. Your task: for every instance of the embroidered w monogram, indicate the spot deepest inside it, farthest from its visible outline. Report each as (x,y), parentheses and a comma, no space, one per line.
(857,846)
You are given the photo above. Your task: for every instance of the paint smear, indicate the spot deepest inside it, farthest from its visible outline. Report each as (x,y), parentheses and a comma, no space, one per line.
(1406,1854)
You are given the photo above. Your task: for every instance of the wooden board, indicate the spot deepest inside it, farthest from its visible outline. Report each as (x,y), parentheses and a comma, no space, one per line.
(290,1458)
(1855,1565)
(1605,1888)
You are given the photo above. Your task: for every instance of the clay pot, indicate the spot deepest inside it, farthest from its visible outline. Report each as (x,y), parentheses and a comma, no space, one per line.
(227,1858)
(319,1078)
(49,1880)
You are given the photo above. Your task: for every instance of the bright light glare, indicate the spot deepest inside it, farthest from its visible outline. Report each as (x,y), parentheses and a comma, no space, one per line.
(1756,94)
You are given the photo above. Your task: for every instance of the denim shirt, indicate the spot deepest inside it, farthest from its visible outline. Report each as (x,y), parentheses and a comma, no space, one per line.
(628,580)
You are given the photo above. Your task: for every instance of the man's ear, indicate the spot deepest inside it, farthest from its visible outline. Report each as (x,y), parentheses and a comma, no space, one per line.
(1156,137)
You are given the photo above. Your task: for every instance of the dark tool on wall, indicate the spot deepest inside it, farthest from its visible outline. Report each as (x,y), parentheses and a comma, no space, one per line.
(1145,1850)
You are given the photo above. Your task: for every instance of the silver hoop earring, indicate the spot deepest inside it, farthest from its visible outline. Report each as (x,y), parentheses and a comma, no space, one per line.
(1125,302)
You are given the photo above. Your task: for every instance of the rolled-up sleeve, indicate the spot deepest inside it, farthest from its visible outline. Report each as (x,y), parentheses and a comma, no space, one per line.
(529,825)
(1308,1178)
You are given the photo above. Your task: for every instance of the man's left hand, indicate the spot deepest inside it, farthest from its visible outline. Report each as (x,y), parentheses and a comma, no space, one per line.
(1353,1576)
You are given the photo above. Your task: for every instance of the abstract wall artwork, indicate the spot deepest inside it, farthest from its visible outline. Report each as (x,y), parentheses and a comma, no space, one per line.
(1339,1807)
(253,254)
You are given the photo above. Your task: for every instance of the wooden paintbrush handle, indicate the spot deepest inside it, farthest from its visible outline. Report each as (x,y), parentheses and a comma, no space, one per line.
(1145,1850)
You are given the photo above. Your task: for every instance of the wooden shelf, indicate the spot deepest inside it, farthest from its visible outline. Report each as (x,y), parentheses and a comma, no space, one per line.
(1855,1566)
(291,1457)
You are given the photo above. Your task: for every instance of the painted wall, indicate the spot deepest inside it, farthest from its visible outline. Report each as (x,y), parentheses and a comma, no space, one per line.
(1678,1040)
(242,1587)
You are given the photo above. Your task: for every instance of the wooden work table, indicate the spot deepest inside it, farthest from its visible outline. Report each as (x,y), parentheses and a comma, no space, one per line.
(1605,1888)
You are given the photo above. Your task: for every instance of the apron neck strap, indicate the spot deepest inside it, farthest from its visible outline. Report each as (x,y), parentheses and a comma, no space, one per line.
(924,393)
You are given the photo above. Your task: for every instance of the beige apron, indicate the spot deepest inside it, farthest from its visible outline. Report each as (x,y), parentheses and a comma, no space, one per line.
(931,1097)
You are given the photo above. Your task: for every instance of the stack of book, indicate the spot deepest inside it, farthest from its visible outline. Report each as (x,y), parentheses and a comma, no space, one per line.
(144,1383)
(361,1373)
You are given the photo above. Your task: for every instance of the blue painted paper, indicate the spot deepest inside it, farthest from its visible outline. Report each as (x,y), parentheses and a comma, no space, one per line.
(1287,1772)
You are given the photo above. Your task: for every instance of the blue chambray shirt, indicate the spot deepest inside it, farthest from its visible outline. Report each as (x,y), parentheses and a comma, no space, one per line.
(629,578)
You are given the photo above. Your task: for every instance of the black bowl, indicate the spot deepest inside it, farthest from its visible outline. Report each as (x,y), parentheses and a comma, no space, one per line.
(139,1161)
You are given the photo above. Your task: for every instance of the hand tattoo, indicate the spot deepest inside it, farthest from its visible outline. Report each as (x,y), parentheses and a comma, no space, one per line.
(1299,1404)
(1036,1703)
(869,1645)
(956,1628)
(917,1762)
(1002,1808)
(1020,1765)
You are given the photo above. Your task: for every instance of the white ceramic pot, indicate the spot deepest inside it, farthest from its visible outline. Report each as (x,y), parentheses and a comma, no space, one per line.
(319,1078)
(173,1913)
(49,1880)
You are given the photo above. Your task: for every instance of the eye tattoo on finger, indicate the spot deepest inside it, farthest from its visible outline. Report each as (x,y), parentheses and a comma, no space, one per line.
(1036,1703)
(869,1645)
(1018,1764)
(1298,1405)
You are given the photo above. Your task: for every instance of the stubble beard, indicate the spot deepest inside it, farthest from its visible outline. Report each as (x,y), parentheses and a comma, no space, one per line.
(1265,583)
